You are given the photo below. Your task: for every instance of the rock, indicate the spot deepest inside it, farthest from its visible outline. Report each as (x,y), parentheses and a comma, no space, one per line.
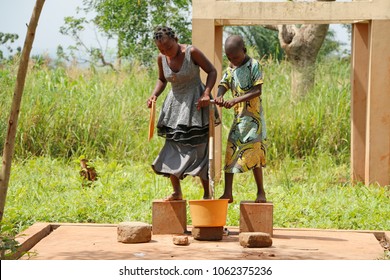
(255,239)
(134,232)
(181,240)
(207,233)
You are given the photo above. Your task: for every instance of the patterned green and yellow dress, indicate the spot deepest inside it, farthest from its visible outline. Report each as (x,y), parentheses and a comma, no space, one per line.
(246,142)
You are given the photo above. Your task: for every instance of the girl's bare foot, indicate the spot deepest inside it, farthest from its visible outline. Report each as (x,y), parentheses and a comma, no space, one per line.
(227,197)
(173,197)
(261,198)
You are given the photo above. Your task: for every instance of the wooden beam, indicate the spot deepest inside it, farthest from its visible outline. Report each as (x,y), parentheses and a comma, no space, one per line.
(208,38)
(359,92)
(378,104)
(244,12)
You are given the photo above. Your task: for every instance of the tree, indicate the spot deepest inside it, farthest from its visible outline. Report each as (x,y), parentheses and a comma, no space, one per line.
(301,44)
(131,24)
(74,27)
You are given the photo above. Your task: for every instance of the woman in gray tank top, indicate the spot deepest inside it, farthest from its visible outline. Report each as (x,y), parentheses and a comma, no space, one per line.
(183,120)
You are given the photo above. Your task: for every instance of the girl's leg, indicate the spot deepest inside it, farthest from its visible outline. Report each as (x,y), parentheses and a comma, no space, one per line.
(206,190)
(258,173)
(177,194)
(228,193)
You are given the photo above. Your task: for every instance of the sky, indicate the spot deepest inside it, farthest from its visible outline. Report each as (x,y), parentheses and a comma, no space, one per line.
(15,14)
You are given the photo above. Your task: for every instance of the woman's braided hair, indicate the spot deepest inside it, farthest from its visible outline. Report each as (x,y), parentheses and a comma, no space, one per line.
(163,32)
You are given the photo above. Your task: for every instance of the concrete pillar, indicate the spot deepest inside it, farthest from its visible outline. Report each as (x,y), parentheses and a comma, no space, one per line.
(377,156)
(169,217)
(256,217)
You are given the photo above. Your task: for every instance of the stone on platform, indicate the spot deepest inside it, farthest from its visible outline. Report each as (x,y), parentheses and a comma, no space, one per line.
(181,240)
(256,217)
(207,233)
(134,232)
(255,239)
(169,217)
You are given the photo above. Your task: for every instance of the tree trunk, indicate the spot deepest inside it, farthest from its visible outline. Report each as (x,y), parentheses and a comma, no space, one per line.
(119,54)
(9,143)
(301,45)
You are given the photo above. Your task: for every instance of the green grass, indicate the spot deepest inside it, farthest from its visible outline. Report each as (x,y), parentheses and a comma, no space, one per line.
(67,113)
(306,194)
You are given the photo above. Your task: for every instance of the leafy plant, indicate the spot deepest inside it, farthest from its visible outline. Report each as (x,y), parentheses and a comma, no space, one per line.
(8,244)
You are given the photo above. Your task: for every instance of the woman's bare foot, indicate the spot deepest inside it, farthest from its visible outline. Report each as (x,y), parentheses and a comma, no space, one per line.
(173,197)
(261,198)
(227,197)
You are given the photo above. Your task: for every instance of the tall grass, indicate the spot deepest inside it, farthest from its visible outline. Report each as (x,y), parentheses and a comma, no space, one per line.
(66,113)
(102,115)
(317,124)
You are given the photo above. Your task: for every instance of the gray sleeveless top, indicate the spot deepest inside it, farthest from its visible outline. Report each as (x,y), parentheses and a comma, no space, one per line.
(179,118)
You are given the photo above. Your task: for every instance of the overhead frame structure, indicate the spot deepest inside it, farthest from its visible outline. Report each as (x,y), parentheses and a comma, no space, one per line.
(370,65)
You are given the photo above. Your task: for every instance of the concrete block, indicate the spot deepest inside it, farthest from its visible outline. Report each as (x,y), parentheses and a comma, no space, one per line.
(169,217)
(255,239)
(207,233)
(256,217)
(181,240)
(134,232)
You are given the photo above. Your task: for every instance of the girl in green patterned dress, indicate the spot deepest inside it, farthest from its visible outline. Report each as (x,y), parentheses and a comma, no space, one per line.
(246,142)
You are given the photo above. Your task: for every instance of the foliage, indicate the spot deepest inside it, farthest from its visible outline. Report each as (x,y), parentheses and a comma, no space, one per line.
(6,40)
(330,46)
(8,244)
(130,24)
(74,27)
(265,41)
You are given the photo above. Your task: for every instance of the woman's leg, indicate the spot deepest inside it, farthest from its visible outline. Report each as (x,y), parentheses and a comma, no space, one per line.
(258,174)
(228,193)
(177,194)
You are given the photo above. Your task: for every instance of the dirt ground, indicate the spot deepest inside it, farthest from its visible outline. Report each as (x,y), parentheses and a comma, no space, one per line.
(45,241)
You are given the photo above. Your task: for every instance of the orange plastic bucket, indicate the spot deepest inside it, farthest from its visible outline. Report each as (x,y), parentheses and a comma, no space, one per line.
(208,212)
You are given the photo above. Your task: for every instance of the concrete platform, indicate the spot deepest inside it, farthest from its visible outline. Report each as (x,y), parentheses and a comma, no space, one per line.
(46,241)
